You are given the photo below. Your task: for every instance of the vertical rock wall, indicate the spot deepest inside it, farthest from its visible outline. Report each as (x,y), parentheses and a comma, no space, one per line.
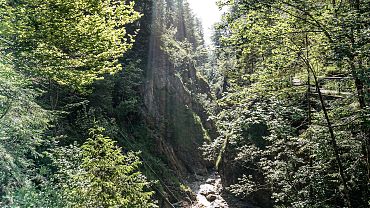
(169,104)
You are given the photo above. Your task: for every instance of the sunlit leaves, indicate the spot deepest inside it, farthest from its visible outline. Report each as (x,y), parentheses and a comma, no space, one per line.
(107,177)
(71,42)
(273,43)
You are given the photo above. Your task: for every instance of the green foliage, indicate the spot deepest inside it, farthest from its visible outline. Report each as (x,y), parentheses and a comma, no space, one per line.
(66,46)
(127,90)
(274,134)
(22,122)
(180,52)
(71,42)
(108,178)
(46,195)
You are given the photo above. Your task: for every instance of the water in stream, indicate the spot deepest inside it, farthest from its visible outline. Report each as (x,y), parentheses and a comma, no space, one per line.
(208,192)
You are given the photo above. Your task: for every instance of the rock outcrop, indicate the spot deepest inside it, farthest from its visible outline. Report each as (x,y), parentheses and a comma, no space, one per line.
(170,105)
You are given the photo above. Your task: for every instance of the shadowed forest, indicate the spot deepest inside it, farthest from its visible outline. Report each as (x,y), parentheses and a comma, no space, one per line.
(124,104)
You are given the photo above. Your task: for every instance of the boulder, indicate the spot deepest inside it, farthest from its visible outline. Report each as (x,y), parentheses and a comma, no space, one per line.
(211,197)
(207,189)
(211,181)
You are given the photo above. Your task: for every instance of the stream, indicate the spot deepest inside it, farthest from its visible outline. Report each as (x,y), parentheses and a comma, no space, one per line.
(208,192)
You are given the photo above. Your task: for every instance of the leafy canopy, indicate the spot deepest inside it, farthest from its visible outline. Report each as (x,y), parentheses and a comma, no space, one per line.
(72,42)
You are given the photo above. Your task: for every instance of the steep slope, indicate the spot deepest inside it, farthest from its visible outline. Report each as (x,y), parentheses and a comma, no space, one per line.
(169,91)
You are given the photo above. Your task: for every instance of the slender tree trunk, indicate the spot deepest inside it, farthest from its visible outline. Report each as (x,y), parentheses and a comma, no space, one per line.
(333,141)
(359,84)
(309,113)
(354,31)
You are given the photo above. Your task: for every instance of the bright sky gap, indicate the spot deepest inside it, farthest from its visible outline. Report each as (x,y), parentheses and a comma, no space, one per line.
(208,12)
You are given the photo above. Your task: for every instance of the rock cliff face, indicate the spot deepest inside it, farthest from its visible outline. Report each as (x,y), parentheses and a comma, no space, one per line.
(168,95)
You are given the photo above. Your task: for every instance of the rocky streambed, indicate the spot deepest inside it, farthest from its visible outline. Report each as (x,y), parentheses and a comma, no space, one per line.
(208,193)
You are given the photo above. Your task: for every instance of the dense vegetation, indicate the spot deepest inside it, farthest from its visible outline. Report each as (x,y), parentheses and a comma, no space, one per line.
(294,115)
(103,103)
(51,53)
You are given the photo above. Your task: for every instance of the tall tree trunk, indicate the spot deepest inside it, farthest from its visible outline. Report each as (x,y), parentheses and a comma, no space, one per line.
(333,140)
(358,83)
(309,113)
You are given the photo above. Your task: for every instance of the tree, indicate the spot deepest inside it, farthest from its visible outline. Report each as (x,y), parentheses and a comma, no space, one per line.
(312,143)
(70,42)
(22,122)
(108,178)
